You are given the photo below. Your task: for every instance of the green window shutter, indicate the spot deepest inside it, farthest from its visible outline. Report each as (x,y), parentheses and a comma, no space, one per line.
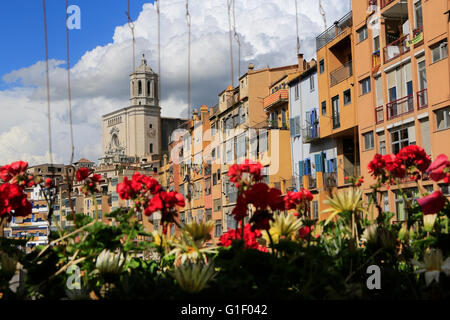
(300,167)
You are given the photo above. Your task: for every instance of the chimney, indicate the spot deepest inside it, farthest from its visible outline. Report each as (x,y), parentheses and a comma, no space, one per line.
(195,115)
(300,65)
(251,66)
(203,112)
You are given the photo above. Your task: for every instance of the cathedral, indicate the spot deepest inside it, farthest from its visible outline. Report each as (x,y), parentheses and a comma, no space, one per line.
(138,133)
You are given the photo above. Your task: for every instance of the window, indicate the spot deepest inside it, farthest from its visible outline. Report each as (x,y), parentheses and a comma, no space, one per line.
(439,51)
(368,140)
(214,179)
(321,66)
(335,112)
(150,126)
(418,13)
(139,87)
(365,85)
(218,232)
(324,107)
(399,139)
(347,97)
(148,88)
(151,147)
(385,204)
(208,215)
(296,92)
(381,143)
(443,118)
(263,143)
(217,203)
(376,43)
(400,205)
(315,210)
(311,83)
(362,34)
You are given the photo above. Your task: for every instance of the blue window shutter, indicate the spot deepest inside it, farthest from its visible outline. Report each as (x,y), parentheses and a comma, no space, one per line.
(308,167)
(318,160)
(300,168)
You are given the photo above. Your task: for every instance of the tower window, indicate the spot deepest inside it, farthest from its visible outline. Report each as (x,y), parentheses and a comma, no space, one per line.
(151,147)
(151,126)
(148,88)
(139,87)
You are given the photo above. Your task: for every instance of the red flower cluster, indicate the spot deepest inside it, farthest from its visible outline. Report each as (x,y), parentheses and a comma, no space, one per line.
(250,237)
(433,203)
(262,198)
(90,183)
(297,200)
(414,156)
(252,169)
(305,231)
(13,200)
(141,187)
(440,169)
(411,159)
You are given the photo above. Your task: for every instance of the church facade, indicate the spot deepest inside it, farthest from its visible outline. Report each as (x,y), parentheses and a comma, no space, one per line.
(134,133)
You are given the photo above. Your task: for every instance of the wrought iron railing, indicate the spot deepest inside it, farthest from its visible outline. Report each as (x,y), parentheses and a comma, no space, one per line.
(395,49)
(335,30)
(400,107)
(379,114)
(342,73)
(422,99)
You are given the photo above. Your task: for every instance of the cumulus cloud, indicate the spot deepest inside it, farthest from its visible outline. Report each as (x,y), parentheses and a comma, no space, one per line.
(99,80)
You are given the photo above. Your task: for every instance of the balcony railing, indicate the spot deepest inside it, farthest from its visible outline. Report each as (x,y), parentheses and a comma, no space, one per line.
(379,114)
(400,107)
(281,95)
(422,99)
(312,182)
(336,121)
(340,74)
(385,3)
(418,36)
(311,132)
(395,49)
(330,179)
(332,32)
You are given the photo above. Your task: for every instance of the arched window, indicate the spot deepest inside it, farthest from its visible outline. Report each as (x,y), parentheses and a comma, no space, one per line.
(139,87)
(148,88)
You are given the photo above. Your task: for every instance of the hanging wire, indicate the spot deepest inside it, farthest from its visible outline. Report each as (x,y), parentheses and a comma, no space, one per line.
(69,98)
(48,86)
(188,22)
(131,26)
(296,23)
(236,37)
(322,12)
(159,50)
(229,4)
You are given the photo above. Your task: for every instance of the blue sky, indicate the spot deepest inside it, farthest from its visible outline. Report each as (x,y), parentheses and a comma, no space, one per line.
(22,28)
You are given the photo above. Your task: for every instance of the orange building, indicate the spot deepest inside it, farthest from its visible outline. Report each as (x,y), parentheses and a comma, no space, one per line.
(402,83)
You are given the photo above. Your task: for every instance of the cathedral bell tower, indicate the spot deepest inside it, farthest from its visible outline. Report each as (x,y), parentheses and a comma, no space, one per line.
(144,86)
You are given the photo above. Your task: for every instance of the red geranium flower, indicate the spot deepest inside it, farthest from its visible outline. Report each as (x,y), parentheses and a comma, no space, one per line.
(414,156)
(82,174)
(250,237)
(433,203)
(440,169)
(294,199)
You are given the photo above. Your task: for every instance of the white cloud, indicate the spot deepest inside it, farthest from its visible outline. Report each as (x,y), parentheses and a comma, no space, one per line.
(99,80)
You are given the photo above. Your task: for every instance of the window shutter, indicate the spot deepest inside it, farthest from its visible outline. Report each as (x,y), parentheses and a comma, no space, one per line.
(318,160)
(308,167)
(301,169)
(297,126)
(292,126)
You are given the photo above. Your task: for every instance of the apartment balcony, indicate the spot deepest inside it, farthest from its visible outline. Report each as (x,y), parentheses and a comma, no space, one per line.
(400,107)
(330,179)
(395,49)
(334,31)
(276,98)
(311,133)
(341,74)
(312,182)
(422,99)
(379,114)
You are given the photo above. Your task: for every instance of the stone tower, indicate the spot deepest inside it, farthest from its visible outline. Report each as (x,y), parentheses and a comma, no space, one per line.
(134,131)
